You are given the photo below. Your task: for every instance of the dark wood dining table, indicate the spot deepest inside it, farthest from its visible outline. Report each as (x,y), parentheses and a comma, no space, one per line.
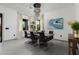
(72,44)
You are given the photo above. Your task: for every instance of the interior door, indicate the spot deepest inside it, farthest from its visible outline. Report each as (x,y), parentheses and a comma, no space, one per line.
(0,27)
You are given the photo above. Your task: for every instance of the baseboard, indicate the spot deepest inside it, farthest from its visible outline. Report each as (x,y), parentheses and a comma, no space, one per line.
(61,40)
(9,40)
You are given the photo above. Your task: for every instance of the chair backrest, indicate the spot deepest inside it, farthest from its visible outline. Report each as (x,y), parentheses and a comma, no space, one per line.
(32,35)
(50,32)
(25,33)
(42,36)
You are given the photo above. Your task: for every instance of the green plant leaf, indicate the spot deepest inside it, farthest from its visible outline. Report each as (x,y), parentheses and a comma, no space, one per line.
(75,26)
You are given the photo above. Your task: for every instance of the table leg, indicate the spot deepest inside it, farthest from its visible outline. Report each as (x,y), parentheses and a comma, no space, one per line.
(74,46)
(69,47)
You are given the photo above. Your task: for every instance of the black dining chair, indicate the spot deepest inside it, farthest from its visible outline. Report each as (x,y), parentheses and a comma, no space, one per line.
(26,34)
(52,34)
(44,39)
(34,38)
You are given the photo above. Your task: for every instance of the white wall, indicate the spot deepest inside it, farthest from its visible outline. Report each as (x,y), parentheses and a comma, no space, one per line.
(20,32)
(20,27)
(68,14)
(77,11)
(10,21)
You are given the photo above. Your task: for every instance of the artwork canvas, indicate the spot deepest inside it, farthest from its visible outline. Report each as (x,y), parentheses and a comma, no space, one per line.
(56,23)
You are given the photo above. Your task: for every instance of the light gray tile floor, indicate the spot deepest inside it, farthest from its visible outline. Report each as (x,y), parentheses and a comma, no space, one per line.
(21,47)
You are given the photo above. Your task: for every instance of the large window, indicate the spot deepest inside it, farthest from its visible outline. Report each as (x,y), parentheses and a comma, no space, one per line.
(25,24)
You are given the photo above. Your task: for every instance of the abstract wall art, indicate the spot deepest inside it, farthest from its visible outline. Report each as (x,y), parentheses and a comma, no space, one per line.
(56,23)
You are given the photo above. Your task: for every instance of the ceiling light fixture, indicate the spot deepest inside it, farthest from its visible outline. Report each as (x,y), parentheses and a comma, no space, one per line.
(37,10)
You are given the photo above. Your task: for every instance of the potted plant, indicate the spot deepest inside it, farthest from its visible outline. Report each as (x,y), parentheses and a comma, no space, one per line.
(75,27)
(33,26)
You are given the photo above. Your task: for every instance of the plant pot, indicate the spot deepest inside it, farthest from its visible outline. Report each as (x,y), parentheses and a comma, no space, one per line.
(76,34)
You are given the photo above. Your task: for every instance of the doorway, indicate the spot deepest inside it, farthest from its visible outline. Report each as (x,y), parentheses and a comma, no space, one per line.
(0,27)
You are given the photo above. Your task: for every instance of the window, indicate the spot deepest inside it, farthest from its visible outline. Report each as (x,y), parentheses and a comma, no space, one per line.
(25,24)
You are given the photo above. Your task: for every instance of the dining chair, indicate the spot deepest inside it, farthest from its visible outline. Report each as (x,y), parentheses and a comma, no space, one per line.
(44,39)
(50,32)
(26,34)
(33,37)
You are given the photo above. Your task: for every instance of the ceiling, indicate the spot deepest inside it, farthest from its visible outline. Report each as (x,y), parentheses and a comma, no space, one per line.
(27,8)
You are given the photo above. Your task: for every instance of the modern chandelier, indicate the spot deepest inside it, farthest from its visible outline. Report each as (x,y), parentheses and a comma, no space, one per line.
(37,10)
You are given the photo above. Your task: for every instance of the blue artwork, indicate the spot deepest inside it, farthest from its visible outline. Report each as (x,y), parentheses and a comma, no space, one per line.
(56,23)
